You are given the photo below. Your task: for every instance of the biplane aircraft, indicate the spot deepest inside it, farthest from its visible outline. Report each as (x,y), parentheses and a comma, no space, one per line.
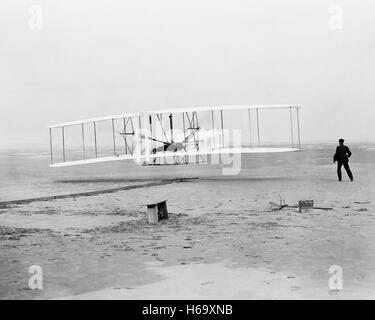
(175,136)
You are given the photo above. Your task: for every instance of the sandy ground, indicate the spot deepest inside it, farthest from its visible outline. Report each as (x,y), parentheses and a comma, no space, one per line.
(222,240)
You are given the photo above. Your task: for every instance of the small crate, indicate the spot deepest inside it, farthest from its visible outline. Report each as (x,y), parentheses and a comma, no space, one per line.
(157,211)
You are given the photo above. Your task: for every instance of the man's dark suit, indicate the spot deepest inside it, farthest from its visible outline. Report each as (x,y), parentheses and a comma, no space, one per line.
(342,156)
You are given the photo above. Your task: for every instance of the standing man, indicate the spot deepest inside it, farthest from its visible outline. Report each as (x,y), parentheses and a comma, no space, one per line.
(342,156)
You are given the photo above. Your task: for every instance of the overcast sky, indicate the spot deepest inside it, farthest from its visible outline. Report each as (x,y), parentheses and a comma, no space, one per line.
(90,58)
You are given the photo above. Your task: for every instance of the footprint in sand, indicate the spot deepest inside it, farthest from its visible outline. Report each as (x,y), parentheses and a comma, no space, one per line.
(207,282)
(252,255)
(195,259)
(295,288)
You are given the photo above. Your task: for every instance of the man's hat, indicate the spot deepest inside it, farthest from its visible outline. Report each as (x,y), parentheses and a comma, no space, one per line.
(341,140)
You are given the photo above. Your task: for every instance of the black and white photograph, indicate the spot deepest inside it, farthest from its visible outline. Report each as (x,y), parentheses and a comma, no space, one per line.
(185,150)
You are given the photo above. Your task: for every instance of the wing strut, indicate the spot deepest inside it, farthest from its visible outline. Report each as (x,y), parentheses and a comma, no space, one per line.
(299,138)
(291,125)
(83,141)
(63,142)
(113,137)
(140,130)
(213,128)
(171,126)
(184,128)
(50,144)
(124,131)
(251,142)
(95,141)
(258,127)
(222,128)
